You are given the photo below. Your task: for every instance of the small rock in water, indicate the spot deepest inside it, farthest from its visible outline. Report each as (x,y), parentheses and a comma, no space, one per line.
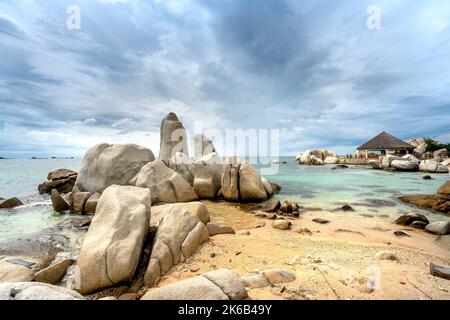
(386,255)
(427,177)
(11,203)
(320,220)
(281,224)
(440,270)
(439,227)
(347,207)
(339,166)
(400,233)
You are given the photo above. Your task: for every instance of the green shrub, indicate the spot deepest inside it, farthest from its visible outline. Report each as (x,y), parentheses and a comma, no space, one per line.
(433,145)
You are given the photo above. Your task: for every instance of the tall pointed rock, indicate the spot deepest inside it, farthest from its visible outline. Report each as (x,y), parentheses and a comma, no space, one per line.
(173,138)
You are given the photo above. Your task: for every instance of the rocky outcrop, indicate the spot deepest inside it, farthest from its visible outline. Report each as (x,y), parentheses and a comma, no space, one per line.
(196,207)
(316,157)
(104,165)
(10,203)
(251,187)
(405,165)
(441,153)
(166,185)
(173,138)
(36,291)
(179,234)
(331,160)
(112,247)
(439,202)
(207,181)
(221,284)
(181,163)
(63,180)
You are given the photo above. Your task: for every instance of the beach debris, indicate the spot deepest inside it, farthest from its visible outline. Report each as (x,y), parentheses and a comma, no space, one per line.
(400,233)
(21,262)
(281,224)
(304,231)
(321,221)
(440,270)
(11,203)
(62,180)
(407,219)
(271,206)
(349,231)
(59,204)
(254,280)
(215,229)
(386,255)
(439,227)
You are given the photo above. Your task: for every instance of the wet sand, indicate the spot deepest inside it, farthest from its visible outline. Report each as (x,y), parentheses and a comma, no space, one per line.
(327,264)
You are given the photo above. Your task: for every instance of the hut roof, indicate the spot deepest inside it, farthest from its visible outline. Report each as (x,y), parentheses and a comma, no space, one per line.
(385,141)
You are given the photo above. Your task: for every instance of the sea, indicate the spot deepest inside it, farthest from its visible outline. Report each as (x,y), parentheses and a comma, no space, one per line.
(368,191)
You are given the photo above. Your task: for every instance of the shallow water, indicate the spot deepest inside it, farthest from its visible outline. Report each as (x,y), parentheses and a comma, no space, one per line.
(370,192)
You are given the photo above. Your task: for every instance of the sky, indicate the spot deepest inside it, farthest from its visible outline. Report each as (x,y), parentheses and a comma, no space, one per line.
(312,70)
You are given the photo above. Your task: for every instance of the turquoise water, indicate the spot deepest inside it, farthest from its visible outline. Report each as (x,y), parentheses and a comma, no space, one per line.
(369,191)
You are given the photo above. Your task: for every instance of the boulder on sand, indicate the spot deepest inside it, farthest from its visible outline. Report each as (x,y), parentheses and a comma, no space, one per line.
(207,181)
(221,284)
(112,246)
(104,165)
(251,187)
(35,291)
(62,180)
(439,227)
(179,234)
(173,138)
(10,203)
(166,185)
(407,219)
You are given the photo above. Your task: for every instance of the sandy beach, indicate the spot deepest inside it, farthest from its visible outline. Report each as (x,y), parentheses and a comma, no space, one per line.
(334,262)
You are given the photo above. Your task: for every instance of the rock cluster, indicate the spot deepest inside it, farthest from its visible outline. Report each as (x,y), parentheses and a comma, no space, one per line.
(410,163)
(317,157)
(62,180)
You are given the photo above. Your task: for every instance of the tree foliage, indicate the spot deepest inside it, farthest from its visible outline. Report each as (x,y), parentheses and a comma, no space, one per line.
(433,145)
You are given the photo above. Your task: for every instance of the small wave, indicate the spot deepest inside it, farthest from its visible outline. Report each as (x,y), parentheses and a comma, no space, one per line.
(36,204)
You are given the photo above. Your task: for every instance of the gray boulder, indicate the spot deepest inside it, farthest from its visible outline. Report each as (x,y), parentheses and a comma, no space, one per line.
(63,180)
(230,182)
(196,207)
(104,165)
(251,187)
(183,165)
(36,291)
(112,246)
(166,185)
(440,227)
(405,165)
(432,166)
(207,181)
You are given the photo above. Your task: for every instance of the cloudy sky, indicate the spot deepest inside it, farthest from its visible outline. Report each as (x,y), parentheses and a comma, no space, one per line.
(312,69)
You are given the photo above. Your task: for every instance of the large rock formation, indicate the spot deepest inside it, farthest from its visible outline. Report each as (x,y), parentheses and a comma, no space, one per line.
(179,234)
(166,185)
(207,181)
(62,180)
(230,182)
(184,166)
(112,247)
(251,187)
(316,157)
(173,138)
(105,165)
(432,166)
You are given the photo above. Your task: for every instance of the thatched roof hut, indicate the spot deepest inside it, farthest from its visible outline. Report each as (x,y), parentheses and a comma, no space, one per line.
(386,143)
